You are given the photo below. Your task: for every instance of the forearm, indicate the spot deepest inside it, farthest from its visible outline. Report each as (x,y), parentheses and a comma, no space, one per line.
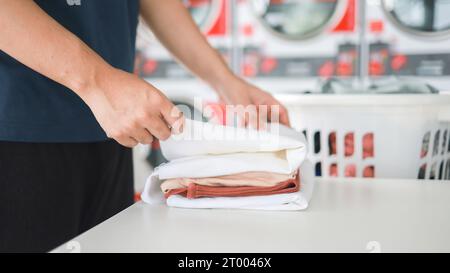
(32,37)
(173,26)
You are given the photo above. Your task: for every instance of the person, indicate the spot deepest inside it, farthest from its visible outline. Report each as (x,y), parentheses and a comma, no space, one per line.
(70,109)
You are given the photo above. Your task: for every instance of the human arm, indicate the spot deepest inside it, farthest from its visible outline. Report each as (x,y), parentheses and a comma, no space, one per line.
(173,26)
(128,109)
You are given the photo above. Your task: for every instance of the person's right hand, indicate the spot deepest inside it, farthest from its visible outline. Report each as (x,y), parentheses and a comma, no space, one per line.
(130,110)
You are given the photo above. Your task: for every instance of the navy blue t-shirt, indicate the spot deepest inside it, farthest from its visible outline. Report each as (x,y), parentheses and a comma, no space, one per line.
(34,108)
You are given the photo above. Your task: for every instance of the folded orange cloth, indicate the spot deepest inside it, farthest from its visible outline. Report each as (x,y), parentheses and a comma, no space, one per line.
(245,179)
(193,190)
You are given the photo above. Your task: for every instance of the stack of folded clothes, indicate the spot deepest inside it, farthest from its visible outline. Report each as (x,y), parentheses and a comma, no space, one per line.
(215,166)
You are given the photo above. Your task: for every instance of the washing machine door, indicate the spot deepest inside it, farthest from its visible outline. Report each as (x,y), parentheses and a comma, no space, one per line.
(204,12)
(298,19)
(426,18)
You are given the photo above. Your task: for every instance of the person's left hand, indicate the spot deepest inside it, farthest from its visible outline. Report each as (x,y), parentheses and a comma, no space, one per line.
(238,92)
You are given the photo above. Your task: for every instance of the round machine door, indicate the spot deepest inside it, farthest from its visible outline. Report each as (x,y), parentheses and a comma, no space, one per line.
(204,12)
(427,18)
(298,19)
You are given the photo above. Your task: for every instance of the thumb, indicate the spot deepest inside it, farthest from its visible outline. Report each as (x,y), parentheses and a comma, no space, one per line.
(173,117)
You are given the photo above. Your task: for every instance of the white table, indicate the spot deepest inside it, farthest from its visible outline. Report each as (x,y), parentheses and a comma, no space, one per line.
(344,216)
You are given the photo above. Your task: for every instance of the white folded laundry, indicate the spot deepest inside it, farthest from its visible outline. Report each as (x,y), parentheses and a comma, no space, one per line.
(213,165)
(204,138)
(207,150)
(288,201)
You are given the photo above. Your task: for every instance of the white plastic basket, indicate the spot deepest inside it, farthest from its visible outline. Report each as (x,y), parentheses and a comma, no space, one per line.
(401,136)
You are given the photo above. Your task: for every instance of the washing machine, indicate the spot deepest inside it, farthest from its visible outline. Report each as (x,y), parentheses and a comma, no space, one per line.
(155,64)
(291,45)
(410,39)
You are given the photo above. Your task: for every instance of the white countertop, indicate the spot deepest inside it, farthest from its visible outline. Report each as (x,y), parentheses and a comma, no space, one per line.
(344,216)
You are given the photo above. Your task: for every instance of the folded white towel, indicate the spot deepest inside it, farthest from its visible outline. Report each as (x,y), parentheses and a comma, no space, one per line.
(206,150)
(204,138)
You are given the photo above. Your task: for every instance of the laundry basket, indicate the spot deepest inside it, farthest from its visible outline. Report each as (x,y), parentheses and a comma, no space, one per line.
(384,136)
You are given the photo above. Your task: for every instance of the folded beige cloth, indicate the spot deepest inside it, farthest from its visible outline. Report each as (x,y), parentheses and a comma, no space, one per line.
(255,179)
(197,191)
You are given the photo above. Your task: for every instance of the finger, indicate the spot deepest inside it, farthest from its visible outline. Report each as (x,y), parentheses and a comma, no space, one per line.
(278,113)
(245,115)
(241,119)
(262,117)
(143,136)
(252,117)
(284,117)
(173,117)
(273,113)
(178,126)
(159,128)
(127,141)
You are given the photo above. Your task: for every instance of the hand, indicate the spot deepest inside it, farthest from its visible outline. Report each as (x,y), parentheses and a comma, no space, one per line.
(239,92)
(130,110)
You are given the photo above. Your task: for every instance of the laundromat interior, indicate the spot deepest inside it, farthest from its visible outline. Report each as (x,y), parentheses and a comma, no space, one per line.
(367,82)
(126,126)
